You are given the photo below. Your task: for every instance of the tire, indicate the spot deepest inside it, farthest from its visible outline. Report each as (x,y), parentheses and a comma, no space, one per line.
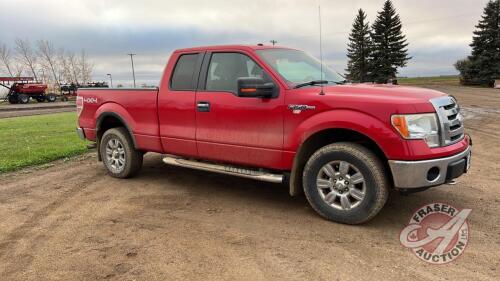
(120,163)
(23,98)
(51,98)
(13,99)
(357,188)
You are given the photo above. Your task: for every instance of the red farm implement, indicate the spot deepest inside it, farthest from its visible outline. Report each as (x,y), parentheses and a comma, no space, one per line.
(22,89)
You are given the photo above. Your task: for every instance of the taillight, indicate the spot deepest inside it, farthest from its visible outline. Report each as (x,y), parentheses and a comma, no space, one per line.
(79,105)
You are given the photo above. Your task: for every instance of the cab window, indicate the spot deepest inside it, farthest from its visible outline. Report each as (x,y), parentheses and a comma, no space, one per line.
(225,69)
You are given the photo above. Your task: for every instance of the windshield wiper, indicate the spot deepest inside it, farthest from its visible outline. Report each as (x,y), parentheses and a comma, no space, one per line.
(317,82)
(311,83)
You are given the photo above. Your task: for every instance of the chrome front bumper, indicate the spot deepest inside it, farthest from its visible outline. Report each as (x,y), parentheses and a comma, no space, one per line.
(427,173)
(80,133)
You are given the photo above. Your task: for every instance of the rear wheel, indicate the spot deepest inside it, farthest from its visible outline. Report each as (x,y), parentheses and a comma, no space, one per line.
(13,99)
(119,156)
(23,98)
(345,182)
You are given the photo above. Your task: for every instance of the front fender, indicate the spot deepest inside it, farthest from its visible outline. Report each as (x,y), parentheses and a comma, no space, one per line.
(380,132)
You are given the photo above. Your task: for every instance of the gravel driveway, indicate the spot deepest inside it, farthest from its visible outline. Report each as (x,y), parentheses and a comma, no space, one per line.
(69,221)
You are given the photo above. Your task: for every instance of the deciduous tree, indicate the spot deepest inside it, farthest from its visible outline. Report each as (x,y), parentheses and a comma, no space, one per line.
(6,58)
(85,67)
(27,55)
(48,55)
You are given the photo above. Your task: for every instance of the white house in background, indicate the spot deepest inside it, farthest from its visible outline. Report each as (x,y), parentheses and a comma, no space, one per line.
(497,84)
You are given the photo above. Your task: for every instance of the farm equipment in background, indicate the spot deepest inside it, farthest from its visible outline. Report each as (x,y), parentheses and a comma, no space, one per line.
(24,88)
(69,89)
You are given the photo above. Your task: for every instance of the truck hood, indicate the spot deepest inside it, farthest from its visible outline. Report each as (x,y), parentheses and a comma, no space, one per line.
(389,93)
(375,99)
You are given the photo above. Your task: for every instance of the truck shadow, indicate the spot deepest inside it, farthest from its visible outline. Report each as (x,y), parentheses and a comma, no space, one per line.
(271,198)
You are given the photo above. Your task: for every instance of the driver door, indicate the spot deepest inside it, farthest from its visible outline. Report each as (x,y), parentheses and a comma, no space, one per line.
(234,129)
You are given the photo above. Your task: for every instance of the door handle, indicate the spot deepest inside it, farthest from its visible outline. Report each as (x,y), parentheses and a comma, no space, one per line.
(203,106)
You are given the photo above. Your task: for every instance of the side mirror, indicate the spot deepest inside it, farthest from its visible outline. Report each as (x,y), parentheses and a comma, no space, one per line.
(249,87)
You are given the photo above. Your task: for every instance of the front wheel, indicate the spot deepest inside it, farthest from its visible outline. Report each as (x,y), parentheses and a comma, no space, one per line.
(119,156)
(346,183)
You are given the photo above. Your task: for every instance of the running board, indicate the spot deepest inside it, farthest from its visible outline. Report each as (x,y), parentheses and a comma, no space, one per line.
(224,169)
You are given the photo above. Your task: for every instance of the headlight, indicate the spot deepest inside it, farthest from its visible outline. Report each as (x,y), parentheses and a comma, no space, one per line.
(418,126)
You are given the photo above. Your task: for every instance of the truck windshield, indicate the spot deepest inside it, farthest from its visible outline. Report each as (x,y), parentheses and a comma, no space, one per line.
(298,67)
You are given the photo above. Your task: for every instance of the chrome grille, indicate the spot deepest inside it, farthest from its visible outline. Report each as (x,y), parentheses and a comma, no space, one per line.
(450,119)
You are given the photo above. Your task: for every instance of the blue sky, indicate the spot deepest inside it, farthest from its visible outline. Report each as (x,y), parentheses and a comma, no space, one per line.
(438,31)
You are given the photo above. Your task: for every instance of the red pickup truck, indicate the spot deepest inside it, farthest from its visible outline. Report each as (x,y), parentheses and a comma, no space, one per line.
(274,114)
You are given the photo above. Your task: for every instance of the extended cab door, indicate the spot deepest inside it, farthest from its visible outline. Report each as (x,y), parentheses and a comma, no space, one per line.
(236,129)
(176,104)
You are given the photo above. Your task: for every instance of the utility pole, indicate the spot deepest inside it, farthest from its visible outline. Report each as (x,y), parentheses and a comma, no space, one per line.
(274,42)
(132,60)
(111,79)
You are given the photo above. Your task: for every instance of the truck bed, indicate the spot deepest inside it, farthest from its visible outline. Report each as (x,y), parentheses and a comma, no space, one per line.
(136,107)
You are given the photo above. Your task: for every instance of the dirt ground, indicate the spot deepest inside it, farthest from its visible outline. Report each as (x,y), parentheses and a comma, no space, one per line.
(69,221)
(15,110)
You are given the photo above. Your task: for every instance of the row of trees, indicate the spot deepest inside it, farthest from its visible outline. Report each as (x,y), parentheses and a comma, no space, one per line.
(482,67)
(376,52)
(45,62)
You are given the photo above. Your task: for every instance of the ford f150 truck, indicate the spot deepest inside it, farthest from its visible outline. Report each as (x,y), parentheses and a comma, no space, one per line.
(275,114)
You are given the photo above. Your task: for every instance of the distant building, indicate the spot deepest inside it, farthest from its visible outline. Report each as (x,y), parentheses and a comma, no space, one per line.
(497,84)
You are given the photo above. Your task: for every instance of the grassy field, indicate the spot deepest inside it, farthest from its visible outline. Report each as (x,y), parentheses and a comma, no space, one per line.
(33,140)
(436,80)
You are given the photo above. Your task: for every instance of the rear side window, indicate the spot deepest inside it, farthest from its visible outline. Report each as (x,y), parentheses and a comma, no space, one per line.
(183,76)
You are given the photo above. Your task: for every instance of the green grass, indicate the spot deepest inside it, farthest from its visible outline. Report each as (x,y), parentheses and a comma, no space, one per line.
(436,80)
(34,140)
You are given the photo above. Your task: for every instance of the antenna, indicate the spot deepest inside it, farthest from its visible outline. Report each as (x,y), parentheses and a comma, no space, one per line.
(320,50)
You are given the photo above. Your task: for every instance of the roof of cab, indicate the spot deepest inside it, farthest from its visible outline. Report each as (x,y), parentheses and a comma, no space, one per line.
(230,47)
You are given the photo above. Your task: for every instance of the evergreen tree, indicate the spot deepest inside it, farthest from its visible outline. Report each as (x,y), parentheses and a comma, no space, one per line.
(389,45)
(359,49)
(482,67)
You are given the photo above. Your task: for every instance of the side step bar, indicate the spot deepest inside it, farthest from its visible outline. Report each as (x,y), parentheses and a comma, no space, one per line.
(224,169)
